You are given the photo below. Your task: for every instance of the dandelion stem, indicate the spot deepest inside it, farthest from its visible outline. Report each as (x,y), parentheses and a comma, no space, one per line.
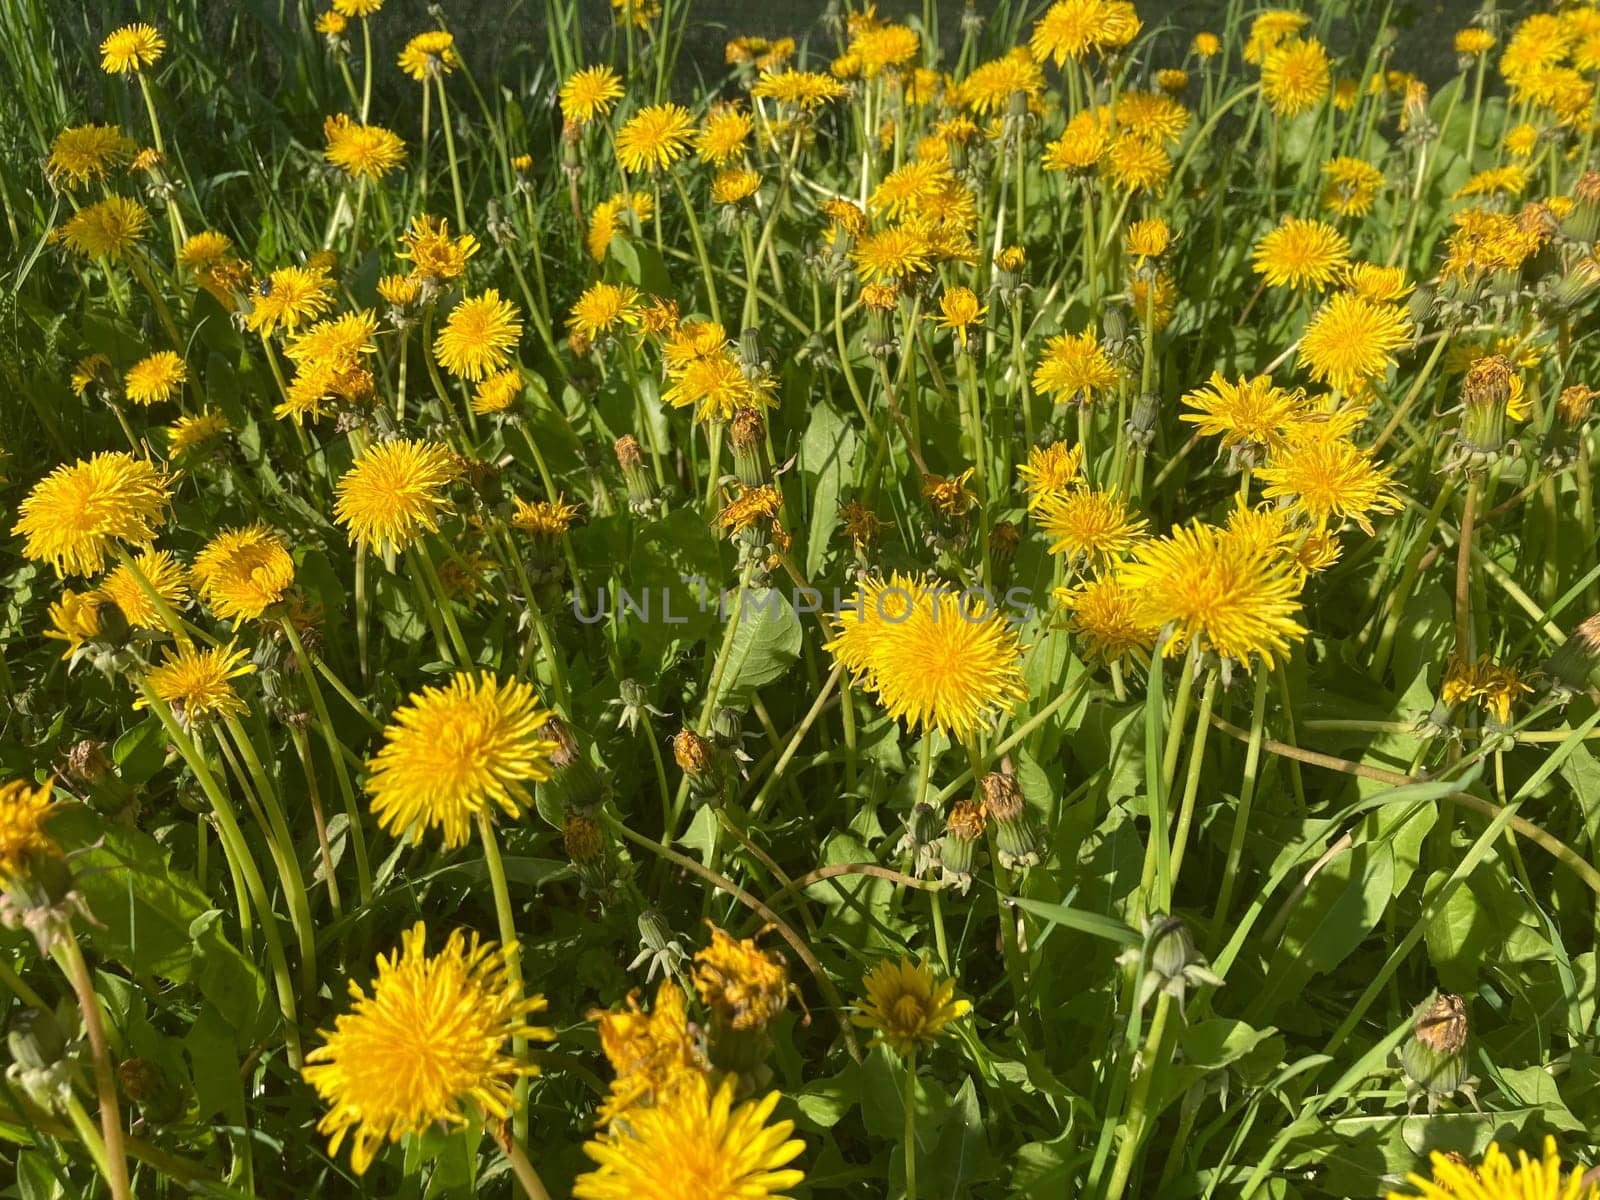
(70,957)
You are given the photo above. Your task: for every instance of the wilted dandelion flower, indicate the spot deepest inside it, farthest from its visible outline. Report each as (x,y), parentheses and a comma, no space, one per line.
(1327,476)
(163,574)
(498,392)
(806,90)
(1209,589)
(652,1053)
(392,492)
(430,54)
(1073,368)
(430,1046)
(362,151)
(1352,186)
(1294,76)
(108,229)
(959,310)
(949,495)
(289,297)
(904,1006)
(694,1143)
(654,137)
(1089,526)
(73,516)
(186,433)
(1103,614)
(747,987)
(1352,339)
(452,754)
(1497,1178)
(240,573)
(1051,470)
(24,818)
(478,336)
(590,93)
(130,49)
(196,683)
(86,153)
(1301,253)
(1249,415)
(154,379)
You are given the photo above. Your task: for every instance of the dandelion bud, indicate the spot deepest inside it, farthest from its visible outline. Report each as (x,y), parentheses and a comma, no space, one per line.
(700,763)
(572,149)
(1486,393)
(1003,542)
(1571,668)
(1173,964)
(658,946)
(588,848)
(1007,284)
(921,838)
(958,850)
(41,1061)
(1422,307)
(642,498)
(1142,419)
(1435,1058)
(881,302)
(1016,838)
(754,361)
(573,780)
(1582,224)
(748,432)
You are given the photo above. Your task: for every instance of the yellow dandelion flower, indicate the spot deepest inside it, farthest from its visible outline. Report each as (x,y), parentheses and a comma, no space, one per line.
(1498,1178)
(401,291)
(1151,115)
(1089,526)
(589,94)
(1328,477)
(186,433)
(1269,30)
(544,518)
(724,136)
(435,255)
(478,336)
(1295,76)
(1147,239)
(357,8)
(89,372)
(654,137)
(884,48)
(1381,285)
(1352,339)
(1081,146)
(131,49)
(429,55)
(429,1046)
(891,254)
(240,573)
(1521,141)
(1207,588)
(652,1053)
(1103,614)
(805,90)
(959,311)
(86,154)
(1073,28)
(1352,186)
(878,602)
(164,575)
(1051,470)
(1511,180)
(695,1143)
(1205,45)
(1173,81)
(990,86)
(904,1006)
(24,838)
(1301,253)
(106,230)
(1073,368)
(733,187)
(1250,415)
(1136,164)
(1474,41)
(289,297)
(745,986)
(392,493)
(73,516)
(498,392)
(195,683)
(362,151)
(155,379)
(605,308)
(75,619)
(453,754)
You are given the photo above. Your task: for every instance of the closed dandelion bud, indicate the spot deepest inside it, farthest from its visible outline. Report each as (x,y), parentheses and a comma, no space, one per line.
(1173,964)
(753,357)
(1582,224)
(1485,394)
(748,432)
(1016,838)
(958,850)
(1141,424)
(1571,668)
(642,498)
(920,840)
(881,302)
(1003,542)
(35,1040)
(658,946)
(1122,346)
(1435,1058)
(583,839)
(1422,307)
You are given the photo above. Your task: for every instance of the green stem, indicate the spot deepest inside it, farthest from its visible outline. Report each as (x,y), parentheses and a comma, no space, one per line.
(70,958)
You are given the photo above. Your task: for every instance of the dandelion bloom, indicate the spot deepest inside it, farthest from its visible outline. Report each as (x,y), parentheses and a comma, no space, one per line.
(498,392)
(478,336)
(1051,470)
(24,813)
(362,151)
(1081,146)
(1249,415)
(1352,339)
(590,93)
(751,508)
(88,372)
(1072,28)
(154,379)
(1151,115)
(724,135)
(1473,41)
(544,518)
(452,753)
(805,90)
(905,1008)
(1511,180)
(1295,76)
(605,308)
(703,371)
(990,86)
(959,310)
(75,619)
(745,986)
(1147,239)
(732,187)
(289,297)
(1136,164)
(357,8)
(1301,253)
(131,49)
(652,1053)
(163,574)
(73,516)
(891,254)
(241,573)
(186,433)
(392,493)
(1498,1178)
(1073,368)
(1353,184)
(883,47)
(1328,476)
(1103,614)
(1089,526)
(1270,29)
(694,1143)
(1210,590)
(429,1046)
(656,136)
(108,229)
(196,683)
(429,55)
(434,255)
(85,154)
(399,291)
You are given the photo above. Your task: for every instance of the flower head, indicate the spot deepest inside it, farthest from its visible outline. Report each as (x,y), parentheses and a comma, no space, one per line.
(905,1007)
(498,392)
(73,516)
(959,310)
(429,55)
(392,493)
(724,135)
(1089,526)
(733,187)
(428,1046)
(1074,28)
(746,986)
(1136,164)
(108,229)
(1249,415)
(434,255)
(651,1052)
(1352,186)
(453,753)
(362,151)
(544,518)
(1294,76)
(805,90)
(1147,239)
(86,153)
(892,254)
(1050,471)
(24,813)
(478,336)
(155,379)
(1301,253)
(164,575)
(605,308)
(131,49)
(1352,339)
(196,682)
(289,297)
(694,1143)
(590,93)
(1496,1177)
(1073,368)
(654,137)
(241,573)
(1104,614)
(1328,476)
